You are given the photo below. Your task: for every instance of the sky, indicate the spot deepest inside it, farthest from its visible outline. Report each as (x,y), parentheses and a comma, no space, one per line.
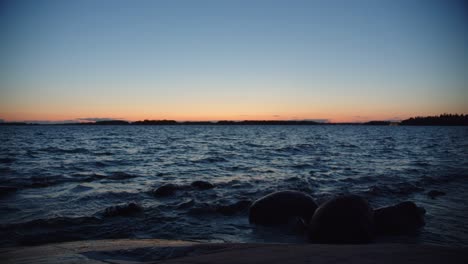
(344,61)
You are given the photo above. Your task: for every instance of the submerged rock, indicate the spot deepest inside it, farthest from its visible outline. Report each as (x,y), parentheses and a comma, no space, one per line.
(166,189)
(123,209)
(344,219)
(400,218)
(279,207)
(202,185)
(434,193)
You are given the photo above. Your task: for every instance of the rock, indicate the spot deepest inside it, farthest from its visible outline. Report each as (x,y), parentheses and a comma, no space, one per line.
(166,189)
(400,218)
(123,210)
(344,219)
(5,190)
(202,185)
(297,225)
(434,193)
(279,207)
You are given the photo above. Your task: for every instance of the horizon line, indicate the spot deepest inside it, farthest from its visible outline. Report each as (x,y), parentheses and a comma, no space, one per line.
(91,120)
(214,121)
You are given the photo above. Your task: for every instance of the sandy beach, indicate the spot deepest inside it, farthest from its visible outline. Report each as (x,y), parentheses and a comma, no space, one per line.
(169,251)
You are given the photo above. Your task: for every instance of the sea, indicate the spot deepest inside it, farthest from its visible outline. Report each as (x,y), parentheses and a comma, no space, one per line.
(65,177)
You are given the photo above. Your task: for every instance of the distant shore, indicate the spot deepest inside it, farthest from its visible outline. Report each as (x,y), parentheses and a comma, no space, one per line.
(168,251)
(442,120)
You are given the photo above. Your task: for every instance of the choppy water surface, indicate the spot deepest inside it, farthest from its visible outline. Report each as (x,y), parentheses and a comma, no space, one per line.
(68,175)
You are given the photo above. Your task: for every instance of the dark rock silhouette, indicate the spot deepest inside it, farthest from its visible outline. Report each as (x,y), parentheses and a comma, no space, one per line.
(400,218)
(155,122)
(434,193)
(202,185)
(297,225)
(267,122)
(166,190)
(377,123)
(123,210)
(279,207)
(441,120)
(344,219)
(15,124)
(111,122)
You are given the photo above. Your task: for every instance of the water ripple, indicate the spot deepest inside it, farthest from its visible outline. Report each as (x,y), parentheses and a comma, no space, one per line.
(64,175)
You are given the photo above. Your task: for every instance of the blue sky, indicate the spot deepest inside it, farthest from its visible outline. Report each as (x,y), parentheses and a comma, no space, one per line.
(211,60)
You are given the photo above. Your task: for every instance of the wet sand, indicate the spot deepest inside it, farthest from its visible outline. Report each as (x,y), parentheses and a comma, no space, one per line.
(169,251)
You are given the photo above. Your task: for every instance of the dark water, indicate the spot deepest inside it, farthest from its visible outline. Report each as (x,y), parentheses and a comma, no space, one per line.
(67,176)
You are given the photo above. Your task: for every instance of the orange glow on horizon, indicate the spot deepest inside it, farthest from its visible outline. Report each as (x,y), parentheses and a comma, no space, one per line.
(333,118)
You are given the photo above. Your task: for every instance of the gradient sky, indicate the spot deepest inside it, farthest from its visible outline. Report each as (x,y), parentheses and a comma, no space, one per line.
(212,60)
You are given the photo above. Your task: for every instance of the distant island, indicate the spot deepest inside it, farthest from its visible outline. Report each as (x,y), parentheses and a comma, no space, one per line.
(441,120)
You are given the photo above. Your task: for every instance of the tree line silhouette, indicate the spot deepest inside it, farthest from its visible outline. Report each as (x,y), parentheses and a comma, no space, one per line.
(441,120)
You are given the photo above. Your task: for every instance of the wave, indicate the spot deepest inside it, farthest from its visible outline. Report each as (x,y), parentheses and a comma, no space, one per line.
(110,196)
(348,145)
(302,166)
(400,189)
(6,169)
(120,175)
(362,179)
(7,160)
(323,161)
(42,181)
(81,188)
(104,153)
(57,150)
(236,184)
(52,222)
(237,168)
(253,145)
(223,209)
(58,229)
(210,160)
(123,209)
(297,148)
(47,181)
(447,178)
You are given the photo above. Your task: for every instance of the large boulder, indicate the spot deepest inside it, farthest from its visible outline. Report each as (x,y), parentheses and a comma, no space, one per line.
(280,207)
(344,219)
(400,218)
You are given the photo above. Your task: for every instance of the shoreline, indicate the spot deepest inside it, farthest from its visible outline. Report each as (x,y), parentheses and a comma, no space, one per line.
(176,251)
